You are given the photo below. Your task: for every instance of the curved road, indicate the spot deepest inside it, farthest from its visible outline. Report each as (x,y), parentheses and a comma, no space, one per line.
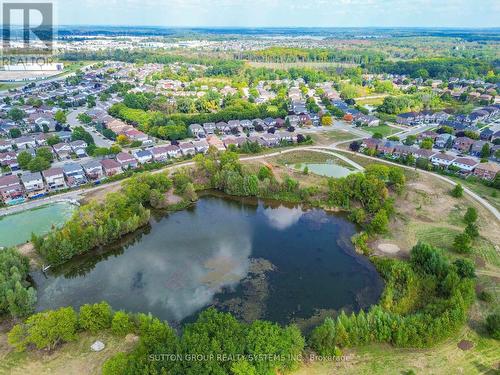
(78,194)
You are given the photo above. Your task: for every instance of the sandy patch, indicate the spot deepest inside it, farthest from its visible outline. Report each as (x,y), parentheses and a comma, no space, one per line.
(389,248)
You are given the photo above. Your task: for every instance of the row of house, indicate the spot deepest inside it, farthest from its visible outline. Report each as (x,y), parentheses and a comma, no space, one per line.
(465,165)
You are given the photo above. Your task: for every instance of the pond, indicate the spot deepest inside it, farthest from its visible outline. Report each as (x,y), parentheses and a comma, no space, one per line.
(16,229)
(257,260)
(329,169)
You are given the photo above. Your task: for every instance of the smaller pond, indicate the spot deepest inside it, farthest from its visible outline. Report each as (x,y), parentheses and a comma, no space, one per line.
(328,169)
(16,229)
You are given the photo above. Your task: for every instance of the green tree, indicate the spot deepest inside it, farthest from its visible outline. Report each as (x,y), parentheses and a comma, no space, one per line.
(23,159)
(470,216)
(53,140)
(457,191)
(485,151)
(38,164)
(60,117)
(15,133)
(462,243)
(427,144)
(379,223)
(45,153)
(96,317)
(121,324)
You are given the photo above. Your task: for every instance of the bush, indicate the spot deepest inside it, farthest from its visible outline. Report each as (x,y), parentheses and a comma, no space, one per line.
(493,325)
(96,317)
(462,243)
(116,365)
(457,191)
(121,324)
(485,296)
(45,330)
(379,223)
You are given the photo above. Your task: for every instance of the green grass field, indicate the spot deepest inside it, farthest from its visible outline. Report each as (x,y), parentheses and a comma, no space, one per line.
(385,130)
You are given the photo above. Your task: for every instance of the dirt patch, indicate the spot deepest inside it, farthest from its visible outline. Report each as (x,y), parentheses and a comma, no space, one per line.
(388,248)
(465,345)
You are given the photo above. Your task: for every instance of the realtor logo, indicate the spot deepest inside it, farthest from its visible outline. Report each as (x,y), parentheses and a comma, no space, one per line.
(27,28)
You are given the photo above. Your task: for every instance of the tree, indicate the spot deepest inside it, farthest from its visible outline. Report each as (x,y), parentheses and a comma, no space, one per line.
(38,164)
(45,153)
(96,317)
(379,223)
(410,140)
(79,133)
(16,114)
(377,135)
(121,324)
(15,133)
(84,118)
(53,140)
(427,144)
(45,330)
(60,117)
(23,159)
(264,172)
(493,325)
(485,151)
(465,268)
(457,191)
(326,120)
(462,243)
(470,216)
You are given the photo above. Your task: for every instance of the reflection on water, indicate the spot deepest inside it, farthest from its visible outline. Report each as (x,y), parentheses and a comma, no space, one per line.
(283,262)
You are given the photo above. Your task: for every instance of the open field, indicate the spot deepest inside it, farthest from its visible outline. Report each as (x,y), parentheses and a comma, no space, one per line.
(385,130)
(327,137)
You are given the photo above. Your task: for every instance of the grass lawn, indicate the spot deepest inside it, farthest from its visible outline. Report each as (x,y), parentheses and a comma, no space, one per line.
(385,130)
(446,358)
(330,135)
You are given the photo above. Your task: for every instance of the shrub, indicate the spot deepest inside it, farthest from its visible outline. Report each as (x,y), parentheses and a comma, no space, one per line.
(485,296)
(379,223)
(493,325)
(45,330)
(462,243)
(96,317)
(457,191)
(121,324)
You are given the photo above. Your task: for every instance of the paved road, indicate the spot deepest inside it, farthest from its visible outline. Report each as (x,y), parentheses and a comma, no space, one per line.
(99,139)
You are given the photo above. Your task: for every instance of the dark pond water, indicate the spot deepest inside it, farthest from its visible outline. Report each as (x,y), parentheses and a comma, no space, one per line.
(255,259)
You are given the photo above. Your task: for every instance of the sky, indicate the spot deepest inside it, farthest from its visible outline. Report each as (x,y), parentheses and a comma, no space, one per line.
(279,13)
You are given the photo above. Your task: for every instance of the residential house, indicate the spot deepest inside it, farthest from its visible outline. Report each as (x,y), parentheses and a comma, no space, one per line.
(63,150)
(10,188)
(159,153)
(33,183)
(201,146)
(173,151)
(126,160)
(487,171)
(5,145)
(216,142)
(463,144)
(465,164)
(247,125)
(421,153)
(54,178)
(187,148)
(271,140)
(143,156)
(24,142)
(477,147)
(442,160)
(444,140)
(136,135)
(79,147)
(75,175)
(93,170)
(197,130)
(486,134)
(371,143)
(209,127)
(111,167)
(387,147)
